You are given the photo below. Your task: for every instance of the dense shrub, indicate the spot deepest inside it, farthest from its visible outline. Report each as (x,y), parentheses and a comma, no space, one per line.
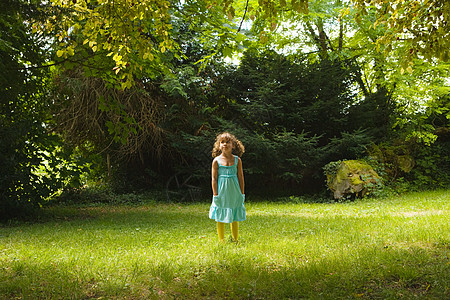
(34,163)
(412,166)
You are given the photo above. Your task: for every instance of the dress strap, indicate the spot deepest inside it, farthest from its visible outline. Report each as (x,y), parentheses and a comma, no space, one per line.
(235,160)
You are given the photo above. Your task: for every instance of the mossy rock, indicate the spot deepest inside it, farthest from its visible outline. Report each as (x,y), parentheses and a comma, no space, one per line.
(352,178)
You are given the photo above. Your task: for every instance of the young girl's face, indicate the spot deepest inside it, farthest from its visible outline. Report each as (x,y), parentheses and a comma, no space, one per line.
(226,145)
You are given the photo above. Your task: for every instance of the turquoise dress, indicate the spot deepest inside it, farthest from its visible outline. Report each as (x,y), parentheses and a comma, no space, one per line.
(228,205)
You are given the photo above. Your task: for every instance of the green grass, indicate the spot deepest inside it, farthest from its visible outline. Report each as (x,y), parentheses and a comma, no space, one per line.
(368,249)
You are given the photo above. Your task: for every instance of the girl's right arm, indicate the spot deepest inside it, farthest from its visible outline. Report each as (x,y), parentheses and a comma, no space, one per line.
(214,173)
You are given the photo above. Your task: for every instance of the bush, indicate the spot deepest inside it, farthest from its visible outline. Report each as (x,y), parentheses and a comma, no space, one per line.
(410,166)
(34,168)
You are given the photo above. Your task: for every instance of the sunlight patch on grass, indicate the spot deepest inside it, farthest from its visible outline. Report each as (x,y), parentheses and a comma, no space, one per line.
(362,249)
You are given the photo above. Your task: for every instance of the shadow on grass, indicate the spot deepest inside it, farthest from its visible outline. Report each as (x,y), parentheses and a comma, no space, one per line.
(271,261)
(391,274)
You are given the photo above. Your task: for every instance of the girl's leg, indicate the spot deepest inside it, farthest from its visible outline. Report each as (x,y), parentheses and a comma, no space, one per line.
(221,231)
(235,230)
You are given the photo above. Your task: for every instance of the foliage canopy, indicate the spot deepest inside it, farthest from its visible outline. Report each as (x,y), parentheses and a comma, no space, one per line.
(144,86)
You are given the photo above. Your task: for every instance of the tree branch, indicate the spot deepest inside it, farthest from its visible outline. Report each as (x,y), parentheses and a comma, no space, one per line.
(243,17)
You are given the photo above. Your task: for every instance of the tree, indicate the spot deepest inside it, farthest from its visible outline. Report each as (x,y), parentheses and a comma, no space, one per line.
(420,28)
(127,51)
(129,32)
(278,93)
(33,161)
(292,113)
(131,126)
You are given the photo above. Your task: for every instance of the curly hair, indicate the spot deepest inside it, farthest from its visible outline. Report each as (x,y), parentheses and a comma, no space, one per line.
(238,147)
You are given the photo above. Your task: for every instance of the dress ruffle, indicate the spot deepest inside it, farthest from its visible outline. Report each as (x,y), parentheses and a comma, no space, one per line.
(227,215)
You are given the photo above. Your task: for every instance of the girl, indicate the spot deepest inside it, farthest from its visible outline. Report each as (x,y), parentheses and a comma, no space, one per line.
(227,184)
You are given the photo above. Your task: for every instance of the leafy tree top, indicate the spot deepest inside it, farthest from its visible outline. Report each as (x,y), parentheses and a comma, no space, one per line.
(421,28)
(132,33)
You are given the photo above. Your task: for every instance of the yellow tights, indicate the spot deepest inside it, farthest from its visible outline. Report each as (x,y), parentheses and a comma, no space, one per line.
(234,230)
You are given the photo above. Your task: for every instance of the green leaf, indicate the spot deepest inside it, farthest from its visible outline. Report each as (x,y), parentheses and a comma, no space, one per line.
(227,51)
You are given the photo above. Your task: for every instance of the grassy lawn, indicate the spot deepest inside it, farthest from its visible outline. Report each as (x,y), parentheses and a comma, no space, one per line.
(368,249)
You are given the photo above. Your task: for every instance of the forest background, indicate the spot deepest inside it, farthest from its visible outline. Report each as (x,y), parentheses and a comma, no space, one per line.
(119,96)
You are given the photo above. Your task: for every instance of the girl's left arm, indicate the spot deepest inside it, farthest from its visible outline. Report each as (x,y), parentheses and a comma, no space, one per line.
(240,175)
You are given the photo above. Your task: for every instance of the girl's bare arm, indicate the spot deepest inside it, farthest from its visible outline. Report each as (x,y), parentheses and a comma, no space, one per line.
(214,173)
(240,174)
